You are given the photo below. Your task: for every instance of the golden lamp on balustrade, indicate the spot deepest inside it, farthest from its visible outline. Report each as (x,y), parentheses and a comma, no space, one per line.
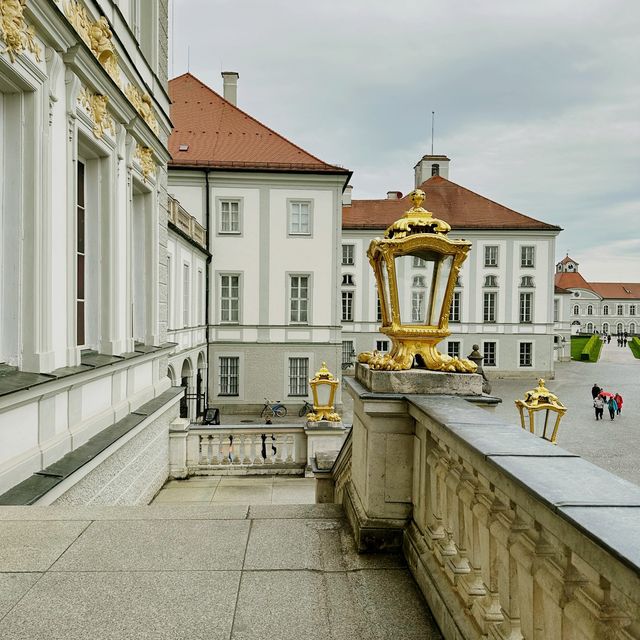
(416,320)
(535,410)
(323,387)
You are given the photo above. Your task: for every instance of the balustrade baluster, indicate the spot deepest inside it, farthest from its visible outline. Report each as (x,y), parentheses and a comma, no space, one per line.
(256,441)
(291,441)
(215,442)
(225,449)
(246,448)
(268,449)
(279,447)
(235,450)
(204,449)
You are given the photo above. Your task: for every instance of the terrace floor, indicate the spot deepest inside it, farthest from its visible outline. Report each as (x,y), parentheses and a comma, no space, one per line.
(192,571)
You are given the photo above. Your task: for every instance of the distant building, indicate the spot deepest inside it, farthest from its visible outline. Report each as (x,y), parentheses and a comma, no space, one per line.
(603,307)
(504,298)
(272,214)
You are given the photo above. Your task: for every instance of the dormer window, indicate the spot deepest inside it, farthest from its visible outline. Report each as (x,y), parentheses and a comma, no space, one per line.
(569,267)
(183,147)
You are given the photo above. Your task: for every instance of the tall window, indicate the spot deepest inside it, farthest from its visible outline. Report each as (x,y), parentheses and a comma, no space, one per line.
(453,349)
(229,298)
(186,284)
(526,354)
(526,307)
(298,376)
(435,169)
(347,306)
(347,352)
(80,256)
(490,256)
(300,218)
(589,327)
(576,310)
(489,307)
(454,312)
(378,309)
(417,306)
(347,254)
(419,262)
(590,310)
(491,281)
(200,319)
(229,375)
(489,349)
(620,310)
(605,310)
(632,309)
(632,328)
(527,256)
(169,292)
(299,299)
(605,327)
(556,310)
(229,216)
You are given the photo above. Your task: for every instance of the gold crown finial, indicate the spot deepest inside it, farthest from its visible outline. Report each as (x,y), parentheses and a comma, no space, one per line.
(417,196)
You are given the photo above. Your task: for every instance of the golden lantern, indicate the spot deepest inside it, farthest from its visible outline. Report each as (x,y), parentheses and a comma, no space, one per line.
(416,249)
(536,402)
(324,387)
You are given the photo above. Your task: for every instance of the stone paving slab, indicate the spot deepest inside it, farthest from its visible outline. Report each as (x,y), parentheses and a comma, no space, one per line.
(28,547)
(376,605)
(290,511)
(126,605)
(244,494)
(13,586)
(168,511)
(160,545)
(186,494)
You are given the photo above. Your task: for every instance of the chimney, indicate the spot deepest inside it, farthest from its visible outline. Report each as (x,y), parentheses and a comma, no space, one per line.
(346,196)
(430,166)
(394,195)
(230,87)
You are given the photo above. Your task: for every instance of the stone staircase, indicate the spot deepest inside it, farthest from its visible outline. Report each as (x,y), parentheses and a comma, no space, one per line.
(195,572)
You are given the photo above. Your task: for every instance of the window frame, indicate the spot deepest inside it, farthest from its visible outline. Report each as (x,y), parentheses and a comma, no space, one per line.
(620,309)
(352,260)
(521,344)
(527,282)
(488,249)
(456,350)
(525,307)
(382,346)
(491,281)
(290,277)
(220,200)
(420,319)
(219,297)
(300,377)
(526,262)
(297,201)
(219,390)
(495,353)
(489,295)
(186,294)
(346,294)
(347,280)
(456,306)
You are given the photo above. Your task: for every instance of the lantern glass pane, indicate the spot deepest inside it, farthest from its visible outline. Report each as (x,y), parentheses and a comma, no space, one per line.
(539,418)
(324,394)
(385,298)
(440,280)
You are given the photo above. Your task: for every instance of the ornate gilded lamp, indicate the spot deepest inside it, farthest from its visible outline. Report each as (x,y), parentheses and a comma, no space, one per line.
(324,387)
(416,248)
(536,402)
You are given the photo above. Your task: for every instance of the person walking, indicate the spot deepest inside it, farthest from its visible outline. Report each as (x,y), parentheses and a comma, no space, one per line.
(595,390)
(613,407)
(618,399)
(609,339)
(598,405)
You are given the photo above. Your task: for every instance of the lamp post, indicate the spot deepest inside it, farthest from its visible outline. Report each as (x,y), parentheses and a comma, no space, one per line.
(538,404)
(417,242)
(323,386)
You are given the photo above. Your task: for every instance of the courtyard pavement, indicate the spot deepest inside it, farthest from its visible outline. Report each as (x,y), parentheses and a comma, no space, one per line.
(613,445)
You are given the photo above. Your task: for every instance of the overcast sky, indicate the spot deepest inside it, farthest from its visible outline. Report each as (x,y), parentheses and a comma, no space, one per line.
(537,101)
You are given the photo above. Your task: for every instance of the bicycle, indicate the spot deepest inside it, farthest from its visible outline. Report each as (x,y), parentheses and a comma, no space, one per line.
(306,408)
(273,409)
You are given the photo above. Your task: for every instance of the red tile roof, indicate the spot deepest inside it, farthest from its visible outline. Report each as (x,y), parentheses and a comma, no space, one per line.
(220,135)
(621,290)
(571,280)
(560,290)
(460,207)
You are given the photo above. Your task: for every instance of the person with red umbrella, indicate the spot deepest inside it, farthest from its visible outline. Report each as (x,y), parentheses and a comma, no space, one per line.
(618,399)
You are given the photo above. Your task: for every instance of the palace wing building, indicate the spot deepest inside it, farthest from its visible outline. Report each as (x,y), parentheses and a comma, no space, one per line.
(603,307)
(504,298)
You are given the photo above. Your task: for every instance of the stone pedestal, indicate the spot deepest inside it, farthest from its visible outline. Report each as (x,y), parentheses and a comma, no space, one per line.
(323,436)
(378,498)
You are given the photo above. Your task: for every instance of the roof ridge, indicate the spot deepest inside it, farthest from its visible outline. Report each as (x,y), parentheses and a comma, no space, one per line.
(244,113)
(479,195)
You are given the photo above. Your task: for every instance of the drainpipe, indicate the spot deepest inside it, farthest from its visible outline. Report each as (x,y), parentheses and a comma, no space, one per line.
(207,278)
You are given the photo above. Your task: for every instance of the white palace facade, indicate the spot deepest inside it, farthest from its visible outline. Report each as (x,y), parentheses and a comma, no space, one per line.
(504,298)
(84,125)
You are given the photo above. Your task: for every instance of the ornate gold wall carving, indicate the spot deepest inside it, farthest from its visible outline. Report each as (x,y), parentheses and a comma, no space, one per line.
(14,30)
(142,103)
(96,104)
(144,156)
(97,36)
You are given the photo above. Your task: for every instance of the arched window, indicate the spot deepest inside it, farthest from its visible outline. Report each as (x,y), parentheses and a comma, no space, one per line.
(491,281)
(605,327)
(589,327)
(632,328)
(526,281)
(570,267)
(590,310)
(347,279)
(605,310)
(576,310)
(418,281)
(435,169)
(619,328)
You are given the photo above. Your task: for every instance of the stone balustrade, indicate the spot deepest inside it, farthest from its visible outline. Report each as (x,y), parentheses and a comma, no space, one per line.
(507,535)
(237,450)
(184,221)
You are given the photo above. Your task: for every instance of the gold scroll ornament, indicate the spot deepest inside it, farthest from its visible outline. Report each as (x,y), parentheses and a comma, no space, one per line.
(14,30)
(144,155)
(142,104)
(96,105)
